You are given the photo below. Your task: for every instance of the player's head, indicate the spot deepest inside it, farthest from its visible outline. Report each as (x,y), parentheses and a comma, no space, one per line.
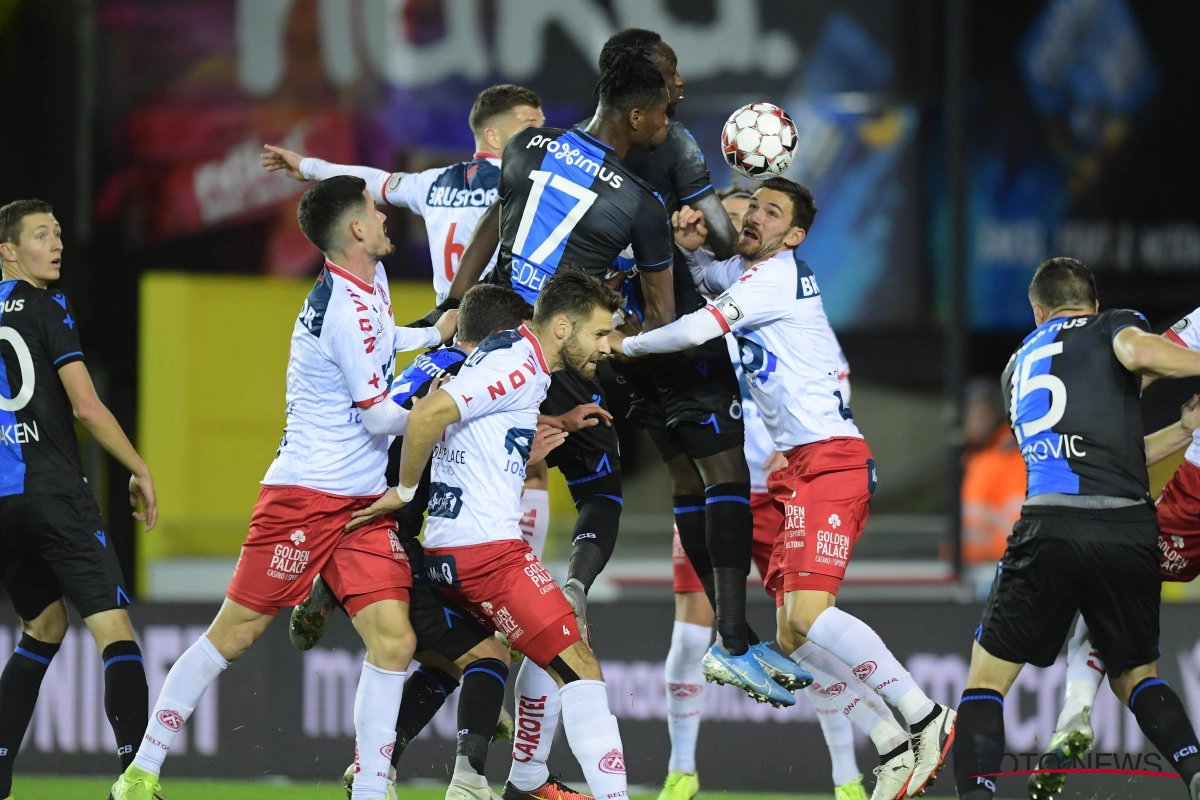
(735,200)
(777,217)
(633,91)
(338,215)
(30,242)
(573,318)
(500,112)
(486,309)
(659,52)
(1060,285)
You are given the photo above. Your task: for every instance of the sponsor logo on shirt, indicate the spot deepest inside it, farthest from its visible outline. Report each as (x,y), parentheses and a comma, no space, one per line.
(19,432)
(449,197)
(574,157)
(445,502)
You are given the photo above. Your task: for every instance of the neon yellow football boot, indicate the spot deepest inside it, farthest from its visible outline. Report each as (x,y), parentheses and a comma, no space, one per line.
(680,786)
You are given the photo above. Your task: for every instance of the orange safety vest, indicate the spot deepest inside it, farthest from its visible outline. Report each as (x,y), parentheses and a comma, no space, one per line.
(993,490)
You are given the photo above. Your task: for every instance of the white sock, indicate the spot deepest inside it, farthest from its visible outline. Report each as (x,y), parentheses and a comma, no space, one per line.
(861,649)
(538,704)
(594,738)
(685,692)
(839,736)
(1085,672)
(376,705)
(535,519)
(186,683)
(857,703)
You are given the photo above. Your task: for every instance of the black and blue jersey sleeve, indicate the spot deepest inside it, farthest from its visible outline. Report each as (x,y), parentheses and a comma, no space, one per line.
(653,245)
(60,330)
(1116,319)
(686,166)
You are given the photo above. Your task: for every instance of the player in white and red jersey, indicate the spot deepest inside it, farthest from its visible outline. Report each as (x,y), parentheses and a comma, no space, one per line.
(1178,509)
(331,462)
(478,430)
(770,300)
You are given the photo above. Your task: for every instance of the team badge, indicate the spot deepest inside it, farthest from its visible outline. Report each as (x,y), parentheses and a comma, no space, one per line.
(613,763)
(729,309)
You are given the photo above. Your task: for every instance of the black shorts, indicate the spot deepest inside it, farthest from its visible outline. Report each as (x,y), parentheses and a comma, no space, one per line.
(1060,560)
(55,545)
(591,452)
(688,402)
(439,624)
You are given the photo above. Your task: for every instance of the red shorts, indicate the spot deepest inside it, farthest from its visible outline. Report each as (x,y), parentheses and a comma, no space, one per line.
(508,590)
(296,533)
(767,520)
(1179,525)
(823,495)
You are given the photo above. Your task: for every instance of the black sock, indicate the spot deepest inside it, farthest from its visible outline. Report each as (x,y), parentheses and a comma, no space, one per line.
(752,639)
(730,586)
(19,685)
(978,743)
(126,697)
(1162,718)
(689,521)
(595,534)
(424,693)
(729,533)
(479,709)
(917,727)
(889,755)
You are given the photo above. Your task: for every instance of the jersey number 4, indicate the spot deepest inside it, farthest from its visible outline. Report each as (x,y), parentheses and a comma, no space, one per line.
(25,362)
(1026,384)
(541,179)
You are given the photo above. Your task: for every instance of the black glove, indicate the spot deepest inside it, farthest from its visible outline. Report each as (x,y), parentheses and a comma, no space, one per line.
(431,319)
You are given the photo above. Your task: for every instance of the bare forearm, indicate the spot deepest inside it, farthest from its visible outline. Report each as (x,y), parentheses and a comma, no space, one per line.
(659,292)
(722,236)
(422,434)
(105,429)
(1166,441)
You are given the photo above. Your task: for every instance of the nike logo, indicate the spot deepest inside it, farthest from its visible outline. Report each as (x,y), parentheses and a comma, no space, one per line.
(746,676)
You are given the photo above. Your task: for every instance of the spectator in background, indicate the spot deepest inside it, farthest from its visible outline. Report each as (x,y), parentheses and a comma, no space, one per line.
(993,486)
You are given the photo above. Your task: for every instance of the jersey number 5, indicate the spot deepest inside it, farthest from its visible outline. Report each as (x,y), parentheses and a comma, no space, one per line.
(540,178)
(25,361)
(1025,384)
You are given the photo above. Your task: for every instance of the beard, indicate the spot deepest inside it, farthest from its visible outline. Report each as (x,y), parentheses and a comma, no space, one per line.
(758,248)
(382,249)
(577,358)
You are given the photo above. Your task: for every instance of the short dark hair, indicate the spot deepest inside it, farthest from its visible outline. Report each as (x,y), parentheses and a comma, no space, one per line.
(497,100)
(488,308)
(12,217)
(1063,283)
(804,206)
(326,204)
(573,292)
(734,191)
(630,81)
(634,38)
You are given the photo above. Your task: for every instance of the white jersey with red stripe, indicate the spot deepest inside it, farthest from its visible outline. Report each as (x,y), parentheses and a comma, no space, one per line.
(478,468)
(343,351)
(1187,333)
(450,199)
(788,351)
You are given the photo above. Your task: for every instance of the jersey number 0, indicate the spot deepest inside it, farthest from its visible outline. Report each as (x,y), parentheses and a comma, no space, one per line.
(541,178)
(25,361)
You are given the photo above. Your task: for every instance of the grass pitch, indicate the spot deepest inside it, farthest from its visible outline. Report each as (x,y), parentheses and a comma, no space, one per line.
(37,788)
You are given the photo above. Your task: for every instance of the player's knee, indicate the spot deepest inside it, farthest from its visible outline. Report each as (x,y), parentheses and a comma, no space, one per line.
(490,648)
(728,466)
(392,649)
(693,608)
(576,663)
(800,621)
(1124,684)
(50,626)
(110,626)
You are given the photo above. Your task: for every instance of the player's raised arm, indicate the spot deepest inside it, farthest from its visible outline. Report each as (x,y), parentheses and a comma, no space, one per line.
(722,235)
(1175,436)
(654,250)
(1148,354)
(395,188)
(479,252)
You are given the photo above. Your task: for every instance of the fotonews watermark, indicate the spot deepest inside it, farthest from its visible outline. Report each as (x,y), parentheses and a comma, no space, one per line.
(1150,764)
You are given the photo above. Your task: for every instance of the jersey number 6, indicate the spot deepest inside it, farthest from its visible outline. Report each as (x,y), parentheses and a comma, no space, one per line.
(1027,384)
(28,377)
(540,178)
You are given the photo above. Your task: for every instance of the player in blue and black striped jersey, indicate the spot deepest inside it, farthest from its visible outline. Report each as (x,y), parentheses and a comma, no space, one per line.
(1087,537)
(53,540)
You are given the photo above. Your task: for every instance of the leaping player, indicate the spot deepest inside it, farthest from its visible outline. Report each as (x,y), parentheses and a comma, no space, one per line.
(772,301)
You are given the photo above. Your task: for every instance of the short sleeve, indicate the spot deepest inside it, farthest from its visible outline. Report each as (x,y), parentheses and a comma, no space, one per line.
(411,189)
(1120,318)
(500,380)
(359,359)
(756,298)
(1187,331)
(653,245)
(60,329)
(688,170)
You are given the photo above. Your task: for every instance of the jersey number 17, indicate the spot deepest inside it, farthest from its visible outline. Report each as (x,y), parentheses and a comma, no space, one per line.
(584,198)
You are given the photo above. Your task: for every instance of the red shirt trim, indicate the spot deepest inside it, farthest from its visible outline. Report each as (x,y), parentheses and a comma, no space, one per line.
(1174,337)
(383,189)
(537,347)
(720,318)
(373,401)
(336,270)
(843,375)
(485,154)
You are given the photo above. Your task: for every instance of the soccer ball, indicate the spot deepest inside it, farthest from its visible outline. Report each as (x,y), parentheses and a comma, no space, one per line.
(758,140)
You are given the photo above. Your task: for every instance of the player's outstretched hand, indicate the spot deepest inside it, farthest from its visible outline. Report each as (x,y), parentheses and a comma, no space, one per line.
(776,460)
(582,416)
(614,344)
(1189,417)
(141,490)
(447,325)
(690,230)
(276,158)
(389,502)
(546,439)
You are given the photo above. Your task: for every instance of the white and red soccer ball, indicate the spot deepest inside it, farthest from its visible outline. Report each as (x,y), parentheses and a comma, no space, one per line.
(758,140)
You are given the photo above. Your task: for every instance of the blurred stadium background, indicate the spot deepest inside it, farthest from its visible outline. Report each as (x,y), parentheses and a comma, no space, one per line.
(951,147)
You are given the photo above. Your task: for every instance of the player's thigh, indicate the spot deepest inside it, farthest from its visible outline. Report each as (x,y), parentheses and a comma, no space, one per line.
(488,647)
(1032,603)
(385,630)
(1126,682)
(1179,533)
(1120,594)
(441,626)
(50,626)
(35,594)
(369,565)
